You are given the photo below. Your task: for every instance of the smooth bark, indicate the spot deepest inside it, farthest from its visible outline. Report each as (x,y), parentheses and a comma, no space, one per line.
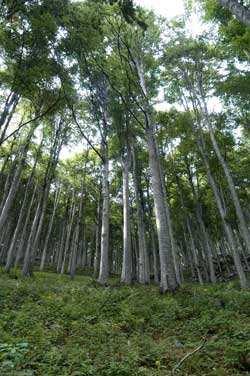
(168,278)
(104,256)
(126,275)
(143,254)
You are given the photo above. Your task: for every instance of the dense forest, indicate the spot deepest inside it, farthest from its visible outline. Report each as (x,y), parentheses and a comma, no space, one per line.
(160,195)
(124,146)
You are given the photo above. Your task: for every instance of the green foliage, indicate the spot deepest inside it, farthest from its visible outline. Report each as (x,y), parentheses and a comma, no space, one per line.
(11,355)
(233,34)
(53,326)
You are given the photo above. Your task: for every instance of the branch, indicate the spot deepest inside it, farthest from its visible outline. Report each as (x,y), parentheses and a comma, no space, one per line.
(83,134)
(31,120)
(118,92)
(188,355)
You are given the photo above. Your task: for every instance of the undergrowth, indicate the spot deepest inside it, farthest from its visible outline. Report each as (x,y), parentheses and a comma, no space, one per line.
(51,325)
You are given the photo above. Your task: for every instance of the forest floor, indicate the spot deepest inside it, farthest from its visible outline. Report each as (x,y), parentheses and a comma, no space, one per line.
(51,325)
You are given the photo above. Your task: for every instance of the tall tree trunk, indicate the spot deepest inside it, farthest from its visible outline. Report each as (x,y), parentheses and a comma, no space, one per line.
(104,262)
(98,237)
(126,275)
(73,256)
(97,248)
(173,246)
(143,254)
(38,221)
(25,226)
(8,120)
(242,222)
(44,254)
(22,211)
(26,263)
(76,238)
(7,184)
(15,182)
(198,212)
(155,257)
(68,234)
(10,103)
(200,104)
(226,226)
(194,254)
(6,241)
(61,248)
(17,230)
(168,278)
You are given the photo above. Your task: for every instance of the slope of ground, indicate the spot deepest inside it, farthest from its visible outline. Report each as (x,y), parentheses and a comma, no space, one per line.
(50,325)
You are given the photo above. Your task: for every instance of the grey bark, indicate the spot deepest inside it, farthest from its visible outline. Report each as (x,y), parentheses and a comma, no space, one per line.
(156,260)
(241,12)
(45,247)
(76,237)
(242,222)
(104,262)
(17,230)
(143,254)
(38,220)
(194,254)
(10,103)
(22,212)
(61,248)
(68,233)
(205,236)
(126,275)
(15,182)
(168,278)
(26,264)
(25,226)
(173,246)
(221,209)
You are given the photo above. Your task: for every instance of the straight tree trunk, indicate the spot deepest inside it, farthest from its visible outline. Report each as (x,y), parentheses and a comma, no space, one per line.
(22,212)
(38,221)
(61,248)
(68,234)
(126,275)
(19,251)
(227,227)
(8,120)
(143,255)
(44,254)
(73,258)
(15,182)
(155,258)
(98,238)
(239,212)
(76,238)
(173,246)
(202,148)
(194,254)
(104,262)
(17,231)
(198,212)
(242,222)
(26,271)
(168,278)
(11,102)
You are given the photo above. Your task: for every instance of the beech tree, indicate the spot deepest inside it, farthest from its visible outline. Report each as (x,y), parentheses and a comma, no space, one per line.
(148,196)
